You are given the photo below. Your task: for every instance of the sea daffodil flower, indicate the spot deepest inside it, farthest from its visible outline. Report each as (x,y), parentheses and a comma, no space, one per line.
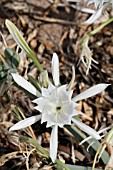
(57,106)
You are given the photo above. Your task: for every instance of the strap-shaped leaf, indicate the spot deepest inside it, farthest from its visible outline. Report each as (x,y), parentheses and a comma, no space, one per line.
(93,148)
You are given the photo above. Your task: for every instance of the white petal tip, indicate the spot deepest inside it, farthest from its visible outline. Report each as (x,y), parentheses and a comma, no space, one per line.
(108,85)
(6,21)
(105,86)
(55,54)
(11,129)
(15,127)
(55,69)
(98,137)
(53,160)
(54,143)
(13,74)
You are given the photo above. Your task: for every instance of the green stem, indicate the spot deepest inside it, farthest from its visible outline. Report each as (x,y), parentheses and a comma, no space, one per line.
(97,29)
(35,60)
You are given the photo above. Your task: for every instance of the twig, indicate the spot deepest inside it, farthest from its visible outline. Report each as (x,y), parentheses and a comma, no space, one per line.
(54,20)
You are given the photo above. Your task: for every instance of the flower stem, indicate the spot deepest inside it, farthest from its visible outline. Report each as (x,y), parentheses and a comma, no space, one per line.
(36,62)
(97,29)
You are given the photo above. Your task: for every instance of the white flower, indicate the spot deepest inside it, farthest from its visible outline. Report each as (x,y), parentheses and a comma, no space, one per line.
(57,106)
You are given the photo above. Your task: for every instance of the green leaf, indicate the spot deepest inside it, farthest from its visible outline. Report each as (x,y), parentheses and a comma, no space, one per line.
(76,167)
(34,83)
(2,75)
(15,61)
(34,143)
(1,68)
(93,148)
(16,114)
(60,165)
(9,54)
(22,43)
(3,87)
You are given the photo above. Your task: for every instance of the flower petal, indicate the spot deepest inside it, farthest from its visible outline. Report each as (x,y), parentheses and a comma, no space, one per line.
(46,92)
(64,93)
(26,122)
(26,85)
(54,143)
(55,69)
(91,92)
(87,129)
(97,14)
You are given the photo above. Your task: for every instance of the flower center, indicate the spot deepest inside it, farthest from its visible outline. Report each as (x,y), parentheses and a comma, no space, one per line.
(58,108)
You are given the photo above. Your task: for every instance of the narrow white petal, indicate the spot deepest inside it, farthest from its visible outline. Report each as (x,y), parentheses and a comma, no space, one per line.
(55,69)
(25,84)
(96,15)
(91,92)
(26,122)
(87,129)
(54,143)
